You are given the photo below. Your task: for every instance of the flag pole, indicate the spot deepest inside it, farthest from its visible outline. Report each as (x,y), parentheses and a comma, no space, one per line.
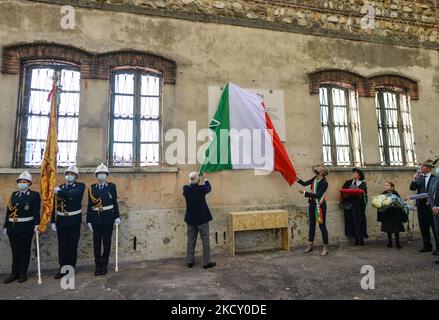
(38,257)
(117,248)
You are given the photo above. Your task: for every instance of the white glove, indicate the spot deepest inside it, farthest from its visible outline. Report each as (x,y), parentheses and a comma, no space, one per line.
(36,231)
(56,190)
(90,226)
(117,221)
(53,227)
(5,231)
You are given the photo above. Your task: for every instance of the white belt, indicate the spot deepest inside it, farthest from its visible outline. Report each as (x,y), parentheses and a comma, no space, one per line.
(21,219)
(104,208)
(68,214)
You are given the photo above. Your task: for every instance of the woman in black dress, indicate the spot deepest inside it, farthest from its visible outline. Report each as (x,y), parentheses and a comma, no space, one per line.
(355,208)
(392,218)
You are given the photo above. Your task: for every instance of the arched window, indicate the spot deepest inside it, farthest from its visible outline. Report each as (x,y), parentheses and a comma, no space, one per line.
(340,124)
(339,115)
(135,117)
(395,128)
(33,116)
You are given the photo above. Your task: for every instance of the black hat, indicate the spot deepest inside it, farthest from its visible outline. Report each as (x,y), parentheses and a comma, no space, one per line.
(360,172)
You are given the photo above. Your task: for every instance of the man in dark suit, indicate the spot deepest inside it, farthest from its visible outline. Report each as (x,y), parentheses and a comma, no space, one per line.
(197,218)
(67,218)
(21,222)
(433,199)
(421,182)
(102,214)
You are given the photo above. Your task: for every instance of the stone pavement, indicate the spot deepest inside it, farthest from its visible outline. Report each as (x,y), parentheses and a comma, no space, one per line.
(400,274)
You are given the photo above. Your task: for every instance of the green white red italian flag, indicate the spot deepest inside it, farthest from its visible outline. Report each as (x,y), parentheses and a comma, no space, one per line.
(243,137)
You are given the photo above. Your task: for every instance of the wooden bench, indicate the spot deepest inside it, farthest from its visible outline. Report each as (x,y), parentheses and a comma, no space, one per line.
(258,220)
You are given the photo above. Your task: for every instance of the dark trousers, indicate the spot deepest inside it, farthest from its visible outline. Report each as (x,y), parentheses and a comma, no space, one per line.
(68,238)
(192,235)
(312,223)
(21,243)
(102,236)
(425,219)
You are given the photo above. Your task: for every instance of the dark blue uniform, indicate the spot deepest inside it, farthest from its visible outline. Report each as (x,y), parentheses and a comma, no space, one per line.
(22,205)
(68,221)
(102,210)
(425,215)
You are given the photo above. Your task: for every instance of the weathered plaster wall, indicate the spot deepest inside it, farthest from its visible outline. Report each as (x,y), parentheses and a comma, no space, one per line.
(212,54)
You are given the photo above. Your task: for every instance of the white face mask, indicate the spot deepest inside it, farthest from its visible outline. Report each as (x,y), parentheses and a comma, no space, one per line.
(70,178)
(102,177)
(22,186)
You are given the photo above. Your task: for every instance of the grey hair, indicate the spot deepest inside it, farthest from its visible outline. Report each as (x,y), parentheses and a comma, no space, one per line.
(194,178)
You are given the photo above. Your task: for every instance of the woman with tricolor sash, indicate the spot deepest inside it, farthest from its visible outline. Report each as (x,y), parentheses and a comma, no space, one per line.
(317,206)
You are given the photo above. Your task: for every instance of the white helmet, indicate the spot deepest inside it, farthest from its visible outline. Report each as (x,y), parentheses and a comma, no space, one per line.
(25,176)
(73,169)
(102,168)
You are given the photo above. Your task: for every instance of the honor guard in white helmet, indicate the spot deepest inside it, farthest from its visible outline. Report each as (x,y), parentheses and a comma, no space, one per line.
(67,218)
(102,214)
(21,222)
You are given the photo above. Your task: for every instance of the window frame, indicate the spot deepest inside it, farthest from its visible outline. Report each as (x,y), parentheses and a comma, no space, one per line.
(22,115)
(138,72)
(350,125)
(380,104)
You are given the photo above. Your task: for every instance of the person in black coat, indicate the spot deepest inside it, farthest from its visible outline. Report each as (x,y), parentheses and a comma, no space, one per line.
(392,218)
(435,203)
(102,214)
(21,222)
(67,218)
(421,183)
(197,218)
(317,206)
(355,208)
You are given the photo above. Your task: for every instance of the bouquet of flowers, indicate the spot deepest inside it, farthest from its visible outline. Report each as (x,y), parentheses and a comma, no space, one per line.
(385,201)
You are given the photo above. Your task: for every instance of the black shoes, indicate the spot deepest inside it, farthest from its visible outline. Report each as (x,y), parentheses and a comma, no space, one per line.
(11,278)
(210,265)
(435,252)
(398,246)
(98,271)
(426,249)
(190,265)
(437,262)
(22,278)
(59,275)
(390,245)
(104,270)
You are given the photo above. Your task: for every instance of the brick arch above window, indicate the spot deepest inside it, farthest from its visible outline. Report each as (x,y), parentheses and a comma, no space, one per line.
(394,83)
(341,78)
(366,87)
(13,56)
(92,65)
(107,61)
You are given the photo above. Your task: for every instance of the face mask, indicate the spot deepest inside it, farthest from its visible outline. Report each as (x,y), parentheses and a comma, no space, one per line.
(22,186)
(102,176)
(70,179)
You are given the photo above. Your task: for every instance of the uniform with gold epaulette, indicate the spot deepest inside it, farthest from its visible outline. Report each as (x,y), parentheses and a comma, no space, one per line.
(22,218)
(102,213)
(67,219)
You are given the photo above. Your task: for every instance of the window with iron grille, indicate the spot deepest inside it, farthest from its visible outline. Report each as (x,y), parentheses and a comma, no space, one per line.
(395,129)
(135,118)
(340,122)
(33,116)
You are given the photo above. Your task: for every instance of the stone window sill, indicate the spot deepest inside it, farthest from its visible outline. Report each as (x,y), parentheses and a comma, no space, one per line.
(92,170)
(373,168)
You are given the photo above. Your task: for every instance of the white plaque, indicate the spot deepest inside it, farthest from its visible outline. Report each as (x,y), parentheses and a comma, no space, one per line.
(274,104)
